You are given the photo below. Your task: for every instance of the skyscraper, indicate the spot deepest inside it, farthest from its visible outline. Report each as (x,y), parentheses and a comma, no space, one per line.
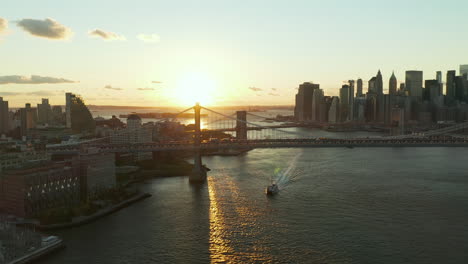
(392,86)
(44,112)
(464,71)
(450,86)
(344,102)
(4,117)
(317,101)
(379,83)
(80,116)
(351,100)
(414,83)
(359,88)
(28,119)
(303,108)
(334,112)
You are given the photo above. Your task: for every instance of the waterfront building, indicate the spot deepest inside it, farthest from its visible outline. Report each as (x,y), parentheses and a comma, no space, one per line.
(392,85)
(44,112)
(134,133)
(97,172)
(303,107)
(36,187)
(344,102)
(432,88)
(317,101)
(334,111)
(397,121)
(414,83)
(461,87)
(4,117)
(17,159)
(359,88)
(360,109)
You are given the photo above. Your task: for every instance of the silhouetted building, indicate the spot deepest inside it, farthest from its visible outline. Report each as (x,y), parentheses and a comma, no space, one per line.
(414,83)
(334,111)
(134,133)
(68,104)
(432,90)
(359,88)
(351,101)
(79,115)
(28,119)
(4,117)
(464,71)
(450,86)
(379,83)
(344,102)
(44,112)
(317,102)
(392,85)
(303,108)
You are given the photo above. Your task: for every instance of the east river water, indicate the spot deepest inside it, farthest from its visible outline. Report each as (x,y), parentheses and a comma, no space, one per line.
(361,205)
(336,205)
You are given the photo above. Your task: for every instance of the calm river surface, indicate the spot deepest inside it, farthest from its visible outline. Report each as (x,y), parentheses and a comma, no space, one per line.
(338,205)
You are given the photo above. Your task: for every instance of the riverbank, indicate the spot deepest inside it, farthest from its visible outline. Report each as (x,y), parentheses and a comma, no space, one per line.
(39,253)
(82,220)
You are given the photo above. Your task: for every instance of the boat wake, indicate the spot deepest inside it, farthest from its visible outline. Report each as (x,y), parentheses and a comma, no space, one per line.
(284,177)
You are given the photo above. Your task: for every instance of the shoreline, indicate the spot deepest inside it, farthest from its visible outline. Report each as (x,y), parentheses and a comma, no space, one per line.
(91,218)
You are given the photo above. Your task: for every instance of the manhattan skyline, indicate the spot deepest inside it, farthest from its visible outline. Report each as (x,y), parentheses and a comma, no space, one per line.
(144,56)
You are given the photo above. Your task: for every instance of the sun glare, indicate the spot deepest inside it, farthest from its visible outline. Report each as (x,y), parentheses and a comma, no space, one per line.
(195,87)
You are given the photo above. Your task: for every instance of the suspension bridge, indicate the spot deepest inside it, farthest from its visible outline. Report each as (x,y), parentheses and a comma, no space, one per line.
(239,133)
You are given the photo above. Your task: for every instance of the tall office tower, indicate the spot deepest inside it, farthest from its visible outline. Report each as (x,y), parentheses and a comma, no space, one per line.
(57,116)
(334,112)
(461,87)
(28,119)
(68,103)
(317,101)
(44,112)
(379,83)
(344,102)
(392,85)
(432,89)
(303,108)
(439,80)
(371,86)
(4,117)
(464,71)
(414,83)
(450,86)
(359,88)
(351,100)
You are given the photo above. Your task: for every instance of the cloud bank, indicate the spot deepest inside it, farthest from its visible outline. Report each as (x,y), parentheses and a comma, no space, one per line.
(106,35)
(146,89)
(47,28)
(255,89)
(156,82)
(34,79)
(149,38)
(112,88)
(3,25)
(35,93)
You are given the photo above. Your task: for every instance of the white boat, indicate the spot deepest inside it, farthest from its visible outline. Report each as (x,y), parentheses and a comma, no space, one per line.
(272,189)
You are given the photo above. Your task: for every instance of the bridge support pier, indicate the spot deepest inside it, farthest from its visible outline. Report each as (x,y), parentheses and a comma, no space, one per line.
(241,125)
(198,174)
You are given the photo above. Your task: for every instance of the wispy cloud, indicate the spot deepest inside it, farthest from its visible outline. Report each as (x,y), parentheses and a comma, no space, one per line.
(274,89)
(112,88)
(146,89)
(47,28)
(255,89)
(3,25)
(273,94)
(34,79)
(149,38)
(106,35)
(35,93)
(158,82)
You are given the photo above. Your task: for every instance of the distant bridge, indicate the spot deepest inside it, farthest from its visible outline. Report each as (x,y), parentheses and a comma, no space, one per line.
(249,135)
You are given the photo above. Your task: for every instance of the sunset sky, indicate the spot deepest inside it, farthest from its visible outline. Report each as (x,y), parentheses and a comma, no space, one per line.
(160,53)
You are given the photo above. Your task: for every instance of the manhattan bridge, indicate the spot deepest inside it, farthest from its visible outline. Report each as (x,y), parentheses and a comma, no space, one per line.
(245,135)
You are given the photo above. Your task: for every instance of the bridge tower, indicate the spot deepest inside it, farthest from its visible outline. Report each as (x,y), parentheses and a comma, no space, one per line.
(198,174)
(241,127)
